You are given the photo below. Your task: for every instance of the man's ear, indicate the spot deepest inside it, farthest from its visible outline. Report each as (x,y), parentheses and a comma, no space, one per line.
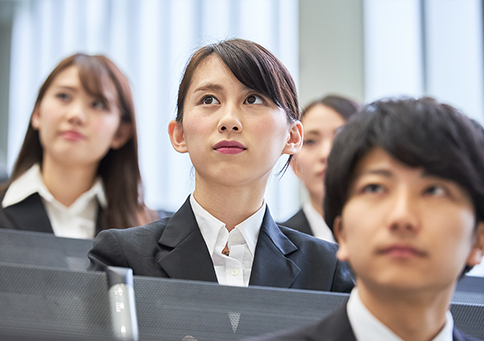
(35,119)
(477,251)
(122,135)
(177,136)
(295,140)
(340,235)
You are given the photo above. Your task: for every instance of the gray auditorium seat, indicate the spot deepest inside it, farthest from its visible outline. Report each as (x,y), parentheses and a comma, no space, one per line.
(39,303)
(48,303)
(43,249)
(206,311)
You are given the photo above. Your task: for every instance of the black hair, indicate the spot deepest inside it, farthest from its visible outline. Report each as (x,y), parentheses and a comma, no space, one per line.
(255,67)
(419,133)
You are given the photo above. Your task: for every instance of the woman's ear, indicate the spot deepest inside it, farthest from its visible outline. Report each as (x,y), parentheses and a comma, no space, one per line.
(177,136)
(295,140)
(35,119)
(477,251)
(122,135)
(340,236)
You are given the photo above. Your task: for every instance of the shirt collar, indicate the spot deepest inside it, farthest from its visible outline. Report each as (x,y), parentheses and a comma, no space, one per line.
(318,226)
(367,327)
(31,182)
(210,226)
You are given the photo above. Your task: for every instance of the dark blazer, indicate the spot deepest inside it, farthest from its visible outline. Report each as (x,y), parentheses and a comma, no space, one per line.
(174,248)
(30,215)
(334,327)
(299,222)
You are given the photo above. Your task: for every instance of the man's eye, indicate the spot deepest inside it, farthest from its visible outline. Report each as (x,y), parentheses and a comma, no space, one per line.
(210,100)
(372,188)
(435,190)
(254,99)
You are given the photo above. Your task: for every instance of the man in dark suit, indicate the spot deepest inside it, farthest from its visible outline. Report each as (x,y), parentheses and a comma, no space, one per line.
(405,199)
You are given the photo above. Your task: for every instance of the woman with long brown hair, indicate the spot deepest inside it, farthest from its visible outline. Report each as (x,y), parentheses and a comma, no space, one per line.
(77,172)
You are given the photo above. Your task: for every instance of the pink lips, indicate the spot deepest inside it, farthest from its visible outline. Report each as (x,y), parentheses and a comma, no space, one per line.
(229,147)
(72,135)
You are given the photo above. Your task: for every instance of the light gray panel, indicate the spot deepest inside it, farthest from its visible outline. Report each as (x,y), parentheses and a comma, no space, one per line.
(330,49)
(6,14)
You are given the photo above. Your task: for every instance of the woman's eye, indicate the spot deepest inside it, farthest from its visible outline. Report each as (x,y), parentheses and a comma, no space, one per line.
(372,188)
(436,190)
(207,100)
(63,96)
(254,99)
(309,142)
(98,105)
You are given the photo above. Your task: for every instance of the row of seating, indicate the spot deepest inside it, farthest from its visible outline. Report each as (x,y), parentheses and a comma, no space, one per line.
(46,294)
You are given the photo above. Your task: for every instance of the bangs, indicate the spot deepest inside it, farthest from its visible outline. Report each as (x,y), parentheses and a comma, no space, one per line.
(419,133)
(258,69)
(423,143)
(95,78)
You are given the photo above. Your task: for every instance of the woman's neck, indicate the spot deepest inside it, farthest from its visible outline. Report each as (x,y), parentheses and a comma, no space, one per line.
(415,315)
(67,183)
(317,203)
(230,204)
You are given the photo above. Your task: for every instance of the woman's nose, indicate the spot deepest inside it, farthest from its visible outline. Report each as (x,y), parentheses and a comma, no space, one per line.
(76,113)
(230,120)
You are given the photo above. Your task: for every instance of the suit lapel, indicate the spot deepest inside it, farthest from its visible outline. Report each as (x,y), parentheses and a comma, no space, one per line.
(184,253)
(335,327)
(271,267)
(29,215)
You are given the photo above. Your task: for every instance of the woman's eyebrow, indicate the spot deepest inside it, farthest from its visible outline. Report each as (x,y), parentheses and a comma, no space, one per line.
(68,87)
(208,86)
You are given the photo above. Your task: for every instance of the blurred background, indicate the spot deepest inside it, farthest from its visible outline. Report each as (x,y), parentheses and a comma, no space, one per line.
(363,49)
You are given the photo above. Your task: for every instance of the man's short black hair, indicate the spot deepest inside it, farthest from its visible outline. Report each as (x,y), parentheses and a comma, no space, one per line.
(418,132)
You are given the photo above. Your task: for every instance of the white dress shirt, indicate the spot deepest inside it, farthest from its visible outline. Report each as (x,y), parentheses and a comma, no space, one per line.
(317,223)
(478,270)
(367,327)
(76,221)
(235,268)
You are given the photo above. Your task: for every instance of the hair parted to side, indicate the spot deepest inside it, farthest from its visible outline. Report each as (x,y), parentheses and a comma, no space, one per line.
(418,132)
(119,168)
(255,67)
(342,105)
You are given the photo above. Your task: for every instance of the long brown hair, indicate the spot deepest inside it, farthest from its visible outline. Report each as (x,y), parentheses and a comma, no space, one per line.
(119,168)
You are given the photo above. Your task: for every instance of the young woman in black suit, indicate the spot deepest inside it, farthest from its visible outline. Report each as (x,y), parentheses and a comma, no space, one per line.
(237,115)
(320,119)
(77,172)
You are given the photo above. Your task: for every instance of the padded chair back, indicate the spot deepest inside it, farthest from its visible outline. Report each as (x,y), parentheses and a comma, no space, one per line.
(43,249)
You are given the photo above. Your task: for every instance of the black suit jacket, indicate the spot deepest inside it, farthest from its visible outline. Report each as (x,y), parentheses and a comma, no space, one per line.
(30,215)
(334,327)
(299,222)
(174,248)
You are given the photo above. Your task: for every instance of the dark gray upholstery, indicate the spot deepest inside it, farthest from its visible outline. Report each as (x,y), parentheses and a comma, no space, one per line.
(43,249)
(40,301)
(52,304)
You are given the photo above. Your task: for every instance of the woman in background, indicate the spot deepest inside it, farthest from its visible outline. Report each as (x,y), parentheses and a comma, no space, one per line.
(320,120)
(77,172)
